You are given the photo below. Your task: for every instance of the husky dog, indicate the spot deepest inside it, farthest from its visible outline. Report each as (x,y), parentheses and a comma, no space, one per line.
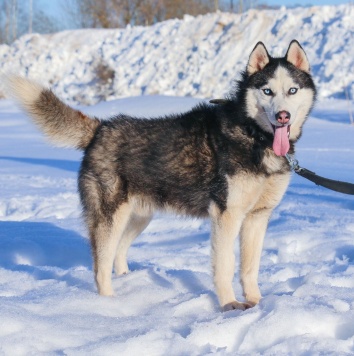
(223,161)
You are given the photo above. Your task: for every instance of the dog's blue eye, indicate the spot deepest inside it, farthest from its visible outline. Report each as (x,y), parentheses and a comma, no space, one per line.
(267,92)
(292,91)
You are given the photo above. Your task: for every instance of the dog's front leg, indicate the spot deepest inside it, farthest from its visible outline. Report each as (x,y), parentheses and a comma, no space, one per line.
(251,244)
(225,228)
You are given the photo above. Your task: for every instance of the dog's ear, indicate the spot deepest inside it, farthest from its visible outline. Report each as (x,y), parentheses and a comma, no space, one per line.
(297,56)
(259,58)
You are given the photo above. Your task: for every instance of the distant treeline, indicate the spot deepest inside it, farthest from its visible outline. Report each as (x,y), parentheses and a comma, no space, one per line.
(18,17)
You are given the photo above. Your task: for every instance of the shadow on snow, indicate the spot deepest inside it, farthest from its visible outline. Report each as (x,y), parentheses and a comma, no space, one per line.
(24,244)
(66,165)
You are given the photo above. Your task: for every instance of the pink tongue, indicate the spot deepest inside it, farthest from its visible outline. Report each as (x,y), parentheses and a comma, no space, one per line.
(281,143)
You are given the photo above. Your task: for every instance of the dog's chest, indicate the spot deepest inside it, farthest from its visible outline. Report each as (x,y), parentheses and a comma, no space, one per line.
(272,163)
(249,192)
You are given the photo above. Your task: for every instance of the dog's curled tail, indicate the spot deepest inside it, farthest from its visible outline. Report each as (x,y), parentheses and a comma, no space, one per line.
(63,125)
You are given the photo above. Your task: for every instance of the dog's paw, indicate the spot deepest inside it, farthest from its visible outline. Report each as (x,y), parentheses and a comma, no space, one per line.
(120,268)
(235,305)
(120,273)
(253,298)
(106,292)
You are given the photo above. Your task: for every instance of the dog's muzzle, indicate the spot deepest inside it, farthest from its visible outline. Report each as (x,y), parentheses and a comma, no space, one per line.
(283,117)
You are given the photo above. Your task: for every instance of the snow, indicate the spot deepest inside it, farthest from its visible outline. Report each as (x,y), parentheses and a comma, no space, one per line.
(190,57)
(166,305)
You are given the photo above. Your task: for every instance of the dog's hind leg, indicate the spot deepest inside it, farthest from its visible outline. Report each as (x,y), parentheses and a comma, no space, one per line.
(251,243)
(134,228)
(105,237)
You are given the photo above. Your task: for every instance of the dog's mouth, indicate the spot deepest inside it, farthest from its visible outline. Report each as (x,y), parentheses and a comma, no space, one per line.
(281,143)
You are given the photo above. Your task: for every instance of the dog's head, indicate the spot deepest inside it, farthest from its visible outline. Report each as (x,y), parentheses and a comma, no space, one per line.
(280,93)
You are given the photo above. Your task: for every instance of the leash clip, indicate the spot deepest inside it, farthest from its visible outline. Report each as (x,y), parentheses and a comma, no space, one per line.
(294,163)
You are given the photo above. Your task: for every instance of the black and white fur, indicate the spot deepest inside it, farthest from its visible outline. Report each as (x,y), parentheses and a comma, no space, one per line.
(214,161)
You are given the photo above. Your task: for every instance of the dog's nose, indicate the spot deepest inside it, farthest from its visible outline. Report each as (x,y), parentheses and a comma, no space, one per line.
(282,117)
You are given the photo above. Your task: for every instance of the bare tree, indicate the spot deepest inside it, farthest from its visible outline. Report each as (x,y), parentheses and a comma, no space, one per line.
(119,13)
(17,20)
(241,6)
(8,20)
(14,18)
(5,21)
(177,8)
(150,11)
(30,16)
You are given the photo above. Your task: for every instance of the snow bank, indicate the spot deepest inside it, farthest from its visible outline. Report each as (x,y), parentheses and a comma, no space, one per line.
(190,57)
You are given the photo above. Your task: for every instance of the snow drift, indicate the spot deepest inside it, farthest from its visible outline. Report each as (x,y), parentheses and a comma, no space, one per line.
(196,56)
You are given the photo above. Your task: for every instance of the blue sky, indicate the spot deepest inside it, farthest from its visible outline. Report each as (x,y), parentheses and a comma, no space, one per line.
(304,2)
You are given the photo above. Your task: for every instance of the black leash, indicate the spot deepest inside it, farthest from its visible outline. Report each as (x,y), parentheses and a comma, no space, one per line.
(336,185)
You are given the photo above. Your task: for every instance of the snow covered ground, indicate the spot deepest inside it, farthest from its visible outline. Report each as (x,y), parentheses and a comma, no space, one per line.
(191,57)
(167,305)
